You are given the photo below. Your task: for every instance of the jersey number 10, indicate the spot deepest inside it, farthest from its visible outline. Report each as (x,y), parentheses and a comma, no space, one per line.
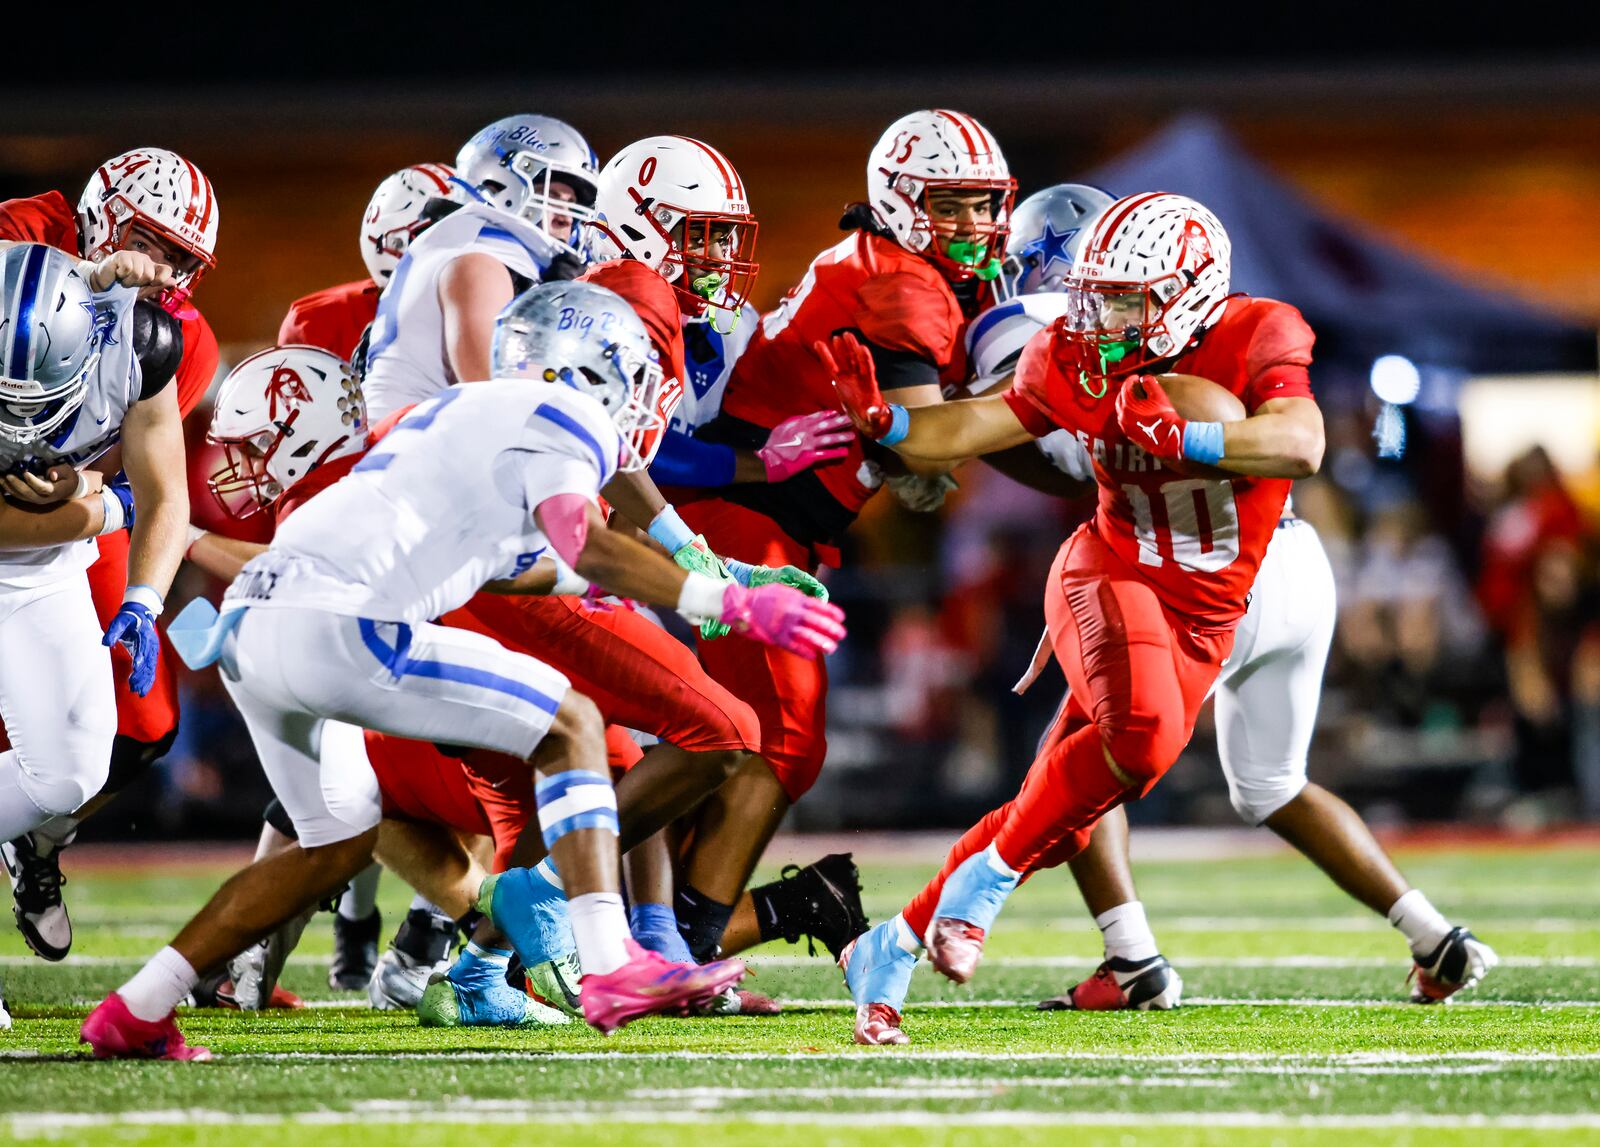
(1201,524)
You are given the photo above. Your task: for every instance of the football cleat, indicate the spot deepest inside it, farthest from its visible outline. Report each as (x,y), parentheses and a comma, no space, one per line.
(555,983)
(821,901)
(5,1016)
(968,905)
(1458,963)
(116,1033)
(877,967)
(1151,985)
(399,980)
(738,1002)
(531,912)
(36,882)
(355,952)
(255,971)
(474,993)
(650,985)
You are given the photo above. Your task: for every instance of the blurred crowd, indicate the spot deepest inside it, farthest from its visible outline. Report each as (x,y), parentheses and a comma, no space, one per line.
(1464,682)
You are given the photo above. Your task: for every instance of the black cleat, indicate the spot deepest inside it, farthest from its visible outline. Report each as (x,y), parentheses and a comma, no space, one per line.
(355,952)
(821,901)
(36,882)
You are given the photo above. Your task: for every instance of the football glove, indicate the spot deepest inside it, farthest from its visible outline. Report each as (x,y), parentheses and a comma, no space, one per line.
(781,616)
(855,381)
(797,444)
(134,628)
(924,495)
(696,557)
(1152,423)
(753,577)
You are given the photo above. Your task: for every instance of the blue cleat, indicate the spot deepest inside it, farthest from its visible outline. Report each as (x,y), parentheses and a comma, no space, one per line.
(474,993)
(877,968)
(655,928)
(971,900)
(531,912)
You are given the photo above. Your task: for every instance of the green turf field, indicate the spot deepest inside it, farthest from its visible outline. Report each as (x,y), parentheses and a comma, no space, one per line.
(1294,1032)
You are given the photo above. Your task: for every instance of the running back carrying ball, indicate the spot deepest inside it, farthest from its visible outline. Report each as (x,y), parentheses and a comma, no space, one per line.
(1201,400)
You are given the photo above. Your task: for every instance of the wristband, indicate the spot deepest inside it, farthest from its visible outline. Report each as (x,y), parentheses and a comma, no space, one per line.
(1202,442)
(899,425)
(195,534)
(111,511)
(739,571)
(701,596)
(146,596)
(82,488)
(670,530)
(568,581)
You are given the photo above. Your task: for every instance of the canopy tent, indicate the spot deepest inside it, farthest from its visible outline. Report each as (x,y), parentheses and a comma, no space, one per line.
(1363,296)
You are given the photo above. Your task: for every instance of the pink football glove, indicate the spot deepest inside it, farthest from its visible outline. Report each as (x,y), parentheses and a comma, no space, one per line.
(1149,419)
(778,615)
(802,442)
(855,381)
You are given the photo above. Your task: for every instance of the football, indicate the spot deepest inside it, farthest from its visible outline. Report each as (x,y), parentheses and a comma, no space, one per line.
(1200,399)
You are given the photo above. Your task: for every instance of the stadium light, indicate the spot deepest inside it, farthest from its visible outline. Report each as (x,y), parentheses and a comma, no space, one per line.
(1395,379)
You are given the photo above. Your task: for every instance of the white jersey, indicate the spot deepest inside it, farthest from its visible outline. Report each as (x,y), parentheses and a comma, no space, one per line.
(994,344)
(708,358)
(406,360)
(441,505)
(96,427)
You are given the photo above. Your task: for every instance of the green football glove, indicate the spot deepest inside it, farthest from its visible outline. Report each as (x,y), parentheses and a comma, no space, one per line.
(696,557)
(792,576)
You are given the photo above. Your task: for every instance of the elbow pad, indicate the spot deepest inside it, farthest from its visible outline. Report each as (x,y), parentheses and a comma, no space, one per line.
(158,343)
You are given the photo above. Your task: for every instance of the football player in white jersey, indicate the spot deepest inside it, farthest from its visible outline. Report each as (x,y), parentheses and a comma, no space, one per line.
(534,181)
(1266,695)
(81,370)
(327,633)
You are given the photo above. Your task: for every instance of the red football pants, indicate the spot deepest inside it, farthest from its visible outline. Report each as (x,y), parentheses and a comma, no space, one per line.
(1137,675)
(492,796)
(789,693)
(631,668)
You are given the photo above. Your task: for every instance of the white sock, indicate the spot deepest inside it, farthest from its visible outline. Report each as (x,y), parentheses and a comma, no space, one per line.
(360,900)
(1419,922)
(601,928)
(992,856)
(158,987)
(54,834)
(1127,932)
(426,905)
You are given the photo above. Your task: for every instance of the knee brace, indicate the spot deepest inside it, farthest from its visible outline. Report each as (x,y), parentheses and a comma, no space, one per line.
(1257,799)
(278,817)
(131,759)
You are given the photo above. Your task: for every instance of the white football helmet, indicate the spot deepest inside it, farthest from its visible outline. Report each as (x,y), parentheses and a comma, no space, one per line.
(678,206)
(941,150)
(1047,229)
(154,189)
(1151,277)
(394,215)
(49,341)
(587,337)
(512,163)
(279,415)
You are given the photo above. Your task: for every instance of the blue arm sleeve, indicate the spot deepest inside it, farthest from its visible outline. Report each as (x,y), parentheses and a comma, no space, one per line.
(685,461)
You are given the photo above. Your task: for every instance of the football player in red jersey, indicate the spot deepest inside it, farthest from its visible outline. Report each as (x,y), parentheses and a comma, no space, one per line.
(1142,601)
(156,203)
(920,256)
(402,207)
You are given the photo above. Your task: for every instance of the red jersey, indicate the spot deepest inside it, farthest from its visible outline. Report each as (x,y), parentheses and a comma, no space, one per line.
(654,301)
(49,218)
(899,302)
(1198,541)
(332,318)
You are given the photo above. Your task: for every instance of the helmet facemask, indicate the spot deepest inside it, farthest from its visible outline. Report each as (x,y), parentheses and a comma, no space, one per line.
(25,419)
(1122,327)
(244,485)
(537,178)
(125,218)
(709,259)
(961,234)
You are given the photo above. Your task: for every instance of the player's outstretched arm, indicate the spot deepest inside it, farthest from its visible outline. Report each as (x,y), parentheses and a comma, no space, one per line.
(774,614)
(153,457)
(1282,439)
(945,432)
(220,556)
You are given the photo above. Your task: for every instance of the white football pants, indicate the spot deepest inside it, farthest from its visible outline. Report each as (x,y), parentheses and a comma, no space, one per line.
(308,682)
(57,700)
(1267,693)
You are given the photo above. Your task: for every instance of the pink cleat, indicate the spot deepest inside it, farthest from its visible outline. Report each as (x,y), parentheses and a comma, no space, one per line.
(116,1033)
(650,984)
(954,948)
(878,1024)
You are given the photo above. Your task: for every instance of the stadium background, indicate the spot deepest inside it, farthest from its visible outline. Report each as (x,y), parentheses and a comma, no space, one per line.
(1465,684)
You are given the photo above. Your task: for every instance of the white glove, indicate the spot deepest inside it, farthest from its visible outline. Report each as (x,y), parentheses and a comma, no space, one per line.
(924,495)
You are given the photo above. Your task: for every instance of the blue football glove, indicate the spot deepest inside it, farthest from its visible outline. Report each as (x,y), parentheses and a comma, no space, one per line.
(119,489)
(134,627)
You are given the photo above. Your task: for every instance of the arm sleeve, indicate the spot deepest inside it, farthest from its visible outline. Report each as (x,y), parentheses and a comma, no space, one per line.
(546,476)
(899,369)
(686,461)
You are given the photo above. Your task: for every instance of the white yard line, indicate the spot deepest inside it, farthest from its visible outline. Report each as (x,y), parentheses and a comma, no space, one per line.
(505,1111)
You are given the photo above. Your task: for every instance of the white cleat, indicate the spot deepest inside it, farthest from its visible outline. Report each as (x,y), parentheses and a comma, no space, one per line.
(399,980)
